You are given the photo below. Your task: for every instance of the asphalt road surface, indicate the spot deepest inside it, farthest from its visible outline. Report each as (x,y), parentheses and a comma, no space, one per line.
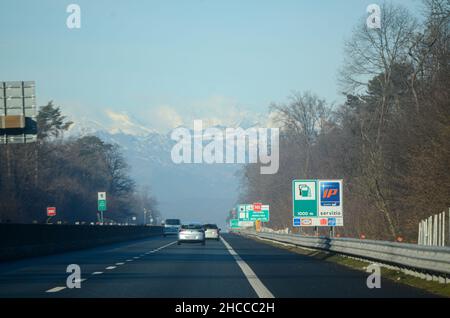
(235,267)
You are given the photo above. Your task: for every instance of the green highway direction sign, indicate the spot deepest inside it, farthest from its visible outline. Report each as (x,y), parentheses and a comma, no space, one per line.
(317,203)
(234,223)
(101,202)
(263,215)
(246,212)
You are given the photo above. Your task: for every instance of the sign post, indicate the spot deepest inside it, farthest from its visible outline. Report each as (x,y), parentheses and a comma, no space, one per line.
(101,204)
(51,212)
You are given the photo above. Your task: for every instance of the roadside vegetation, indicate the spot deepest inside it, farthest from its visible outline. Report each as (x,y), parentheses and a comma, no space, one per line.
(67,173)
(390,139)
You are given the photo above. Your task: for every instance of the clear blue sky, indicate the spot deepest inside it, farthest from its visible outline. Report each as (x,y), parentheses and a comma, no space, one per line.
(166,59)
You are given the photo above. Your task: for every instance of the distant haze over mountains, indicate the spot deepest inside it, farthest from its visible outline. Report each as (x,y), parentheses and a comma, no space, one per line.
(192,192)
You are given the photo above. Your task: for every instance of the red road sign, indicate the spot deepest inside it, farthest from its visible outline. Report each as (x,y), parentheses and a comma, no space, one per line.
(257,207)
(51,211)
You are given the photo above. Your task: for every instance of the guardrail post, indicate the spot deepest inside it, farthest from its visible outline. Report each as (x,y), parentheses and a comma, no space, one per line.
(448,241)
(443,228)
(430,229)
(419,237)
(438,230)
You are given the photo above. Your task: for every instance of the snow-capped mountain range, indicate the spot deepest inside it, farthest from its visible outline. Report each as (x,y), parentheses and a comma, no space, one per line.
(192,192)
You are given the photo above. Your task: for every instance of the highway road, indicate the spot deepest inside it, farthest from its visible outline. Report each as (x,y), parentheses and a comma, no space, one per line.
(235,267)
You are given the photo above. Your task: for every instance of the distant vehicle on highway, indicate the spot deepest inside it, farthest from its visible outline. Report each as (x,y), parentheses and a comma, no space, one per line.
(191,233)
(212,231)
(171,226)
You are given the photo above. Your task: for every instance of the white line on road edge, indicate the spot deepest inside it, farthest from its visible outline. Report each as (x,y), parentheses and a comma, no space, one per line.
(254,281)
(118,264)
(97,273)
(164,246)
(110,267)
(55,289)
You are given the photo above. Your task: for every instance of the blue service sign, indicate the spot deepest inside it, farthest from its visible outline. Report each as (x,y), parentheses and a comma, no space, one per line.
(297,222)
(330,194)
(331,221)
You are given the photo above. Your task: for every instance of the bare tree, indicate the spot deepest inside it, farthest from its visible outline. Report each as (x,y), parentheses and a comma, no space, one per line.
(304,116)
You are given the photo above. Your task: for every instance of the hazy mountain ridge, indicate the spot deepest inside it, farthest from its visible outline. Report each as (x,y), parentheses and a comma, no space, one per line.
(188,191)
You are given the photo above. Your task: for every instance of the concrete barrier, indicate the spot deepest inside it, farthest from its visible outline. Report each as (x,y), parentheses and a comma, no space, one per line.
(28,240)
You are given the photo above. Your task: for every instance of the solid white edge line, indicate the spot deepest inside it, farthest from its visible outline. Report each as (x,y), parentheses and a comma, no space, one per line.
(254,281)
(56,289)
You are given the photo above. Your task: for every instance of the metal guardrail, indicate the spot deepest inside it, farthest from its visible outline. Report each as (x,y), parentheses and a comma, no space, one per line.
(430,259)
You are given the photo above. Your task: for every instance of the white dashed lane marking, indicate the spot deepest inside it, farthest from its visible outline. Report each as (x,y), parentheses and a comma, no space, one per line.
(55,289)
(59,288)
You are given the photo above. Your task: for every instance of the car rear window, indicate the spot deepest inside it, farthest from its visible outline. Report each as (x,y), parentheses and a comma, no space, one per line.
(173,222)
(210,226)
(192,227)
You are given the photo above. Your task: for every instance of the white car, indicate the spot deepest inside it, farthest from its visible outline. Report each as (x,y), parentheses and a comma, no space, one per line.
(212,231)
(191,233)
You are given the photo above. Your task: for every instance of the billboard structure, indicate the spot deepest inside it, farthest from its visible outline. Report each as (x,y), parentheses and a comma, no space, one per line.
(18,112)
